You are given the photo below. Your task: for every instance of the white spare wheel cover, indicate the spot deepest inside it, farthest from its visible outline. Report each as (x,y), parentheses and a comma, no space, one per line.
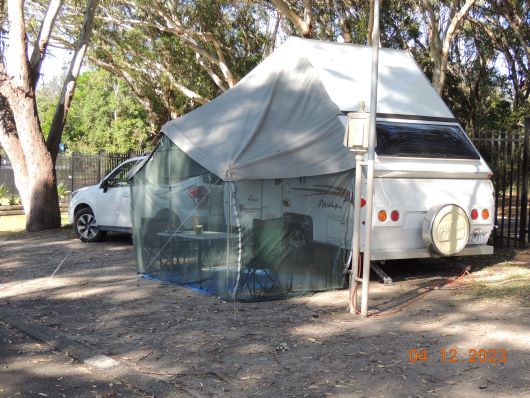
(446,229)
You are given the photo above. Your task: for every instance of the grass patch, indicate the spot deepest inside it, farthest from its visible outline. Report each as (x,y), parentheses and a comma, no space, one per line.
(14,224)
(506,281)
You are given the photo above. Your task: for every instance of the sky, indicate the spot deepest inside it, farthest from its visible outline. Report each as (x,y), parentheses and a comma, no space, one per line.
(55,64)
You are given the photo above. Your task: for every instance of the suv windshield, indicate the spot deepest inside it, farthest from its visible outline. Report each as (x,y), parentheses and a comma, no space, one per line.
(423,140)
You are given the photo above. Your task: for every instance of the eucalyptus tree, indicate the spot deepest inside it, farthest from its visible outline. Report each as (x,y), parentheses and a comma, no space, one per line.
(443,20)
(103,116)
(21,135)
(475,87)
(176,55)
(332,20)
(507,26)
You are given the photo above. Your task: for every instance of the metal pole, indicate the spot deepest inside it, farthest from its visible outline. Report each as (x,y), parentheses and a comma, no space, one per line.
(356,238)
(370,164)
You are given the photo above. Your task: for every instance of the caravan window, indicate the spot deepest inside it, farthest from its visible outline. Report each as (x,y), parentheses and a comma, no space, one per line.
(423,140)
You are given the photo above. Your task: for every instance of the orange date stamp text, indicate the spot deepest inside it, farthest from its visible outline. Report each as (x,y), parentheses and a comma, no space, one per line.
(453,355)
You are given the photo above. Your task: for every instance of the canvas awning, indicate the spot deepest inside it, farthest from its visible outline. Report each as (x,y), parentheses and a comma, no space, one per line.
(282,119)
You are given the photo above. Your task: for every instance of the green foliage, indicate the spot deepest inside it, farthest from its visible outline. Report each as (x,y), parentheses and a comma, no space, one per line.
(62,191)
(173,70)
(3,191)
(104,116)
(14,200)
(47,97)
(174,56)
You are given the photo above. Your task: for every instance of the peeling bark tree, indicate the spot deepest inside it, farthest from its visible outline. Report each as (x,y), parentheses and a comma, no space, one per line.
(442,34)
(33,158)
(303,24)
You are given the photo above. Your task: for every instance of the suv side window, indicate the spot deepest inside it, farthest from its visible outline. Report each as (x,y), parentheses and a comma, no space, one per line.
(211,178)
(119,177)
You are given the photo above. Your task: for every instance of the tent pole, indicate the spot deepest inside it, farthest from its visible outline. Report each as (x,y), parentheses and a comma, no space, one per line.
(370,163)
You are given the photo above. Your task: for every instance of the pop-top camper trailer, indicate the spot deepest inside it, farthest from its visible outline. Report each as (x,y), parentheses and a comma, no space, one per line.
(279,179)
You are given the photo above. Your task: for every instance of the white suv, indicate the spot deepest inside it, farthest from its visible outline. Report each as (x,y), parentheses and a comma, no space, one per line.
(96,209)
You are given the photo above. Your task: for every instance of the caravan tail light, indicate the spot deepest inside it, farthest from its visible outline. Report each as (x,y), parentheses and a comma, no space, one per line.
(485,214)
(474,214)
(382,216)
(394,216)
(199,195)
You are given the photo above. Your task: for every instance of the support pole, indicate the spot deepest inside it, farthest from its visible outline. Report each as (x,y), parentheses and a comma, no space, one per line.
(370,163)
(356,238)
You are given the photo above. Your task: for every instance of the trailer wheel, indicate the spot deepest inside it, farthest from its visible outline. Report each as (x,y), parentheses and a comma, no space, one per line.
(86,227)
(445,229)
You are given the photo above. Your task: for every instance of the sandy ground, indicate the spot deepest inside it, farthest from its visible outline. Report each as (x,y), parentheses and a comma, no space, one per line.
(306,346)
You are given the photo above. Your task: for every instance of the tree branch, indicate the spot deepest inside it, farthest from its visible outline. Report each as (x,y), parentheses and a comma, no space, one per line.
(41,43)
(286,10)
(63,105)
(343,22)
(18,45)
(189,37)
(143,99)
(183,89)
(455,22)
(515,23)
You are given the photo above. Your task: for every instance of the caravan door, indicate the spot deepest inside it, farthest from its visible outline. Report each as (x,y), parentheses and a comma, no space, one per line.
(261,199)
(272,197)
(326,200)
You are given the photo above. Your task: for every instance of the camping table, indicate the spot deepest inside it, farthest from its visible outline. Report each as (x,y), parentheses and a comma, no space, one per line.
(205,236)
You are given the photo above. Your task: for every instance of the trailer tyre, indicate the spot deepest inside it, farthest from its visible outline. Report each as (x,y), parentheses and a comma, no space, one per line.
(445,229)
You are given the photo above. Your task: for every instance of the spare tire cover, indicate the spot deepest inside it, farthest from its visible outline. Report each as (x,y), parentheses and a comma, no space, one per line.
(445,229)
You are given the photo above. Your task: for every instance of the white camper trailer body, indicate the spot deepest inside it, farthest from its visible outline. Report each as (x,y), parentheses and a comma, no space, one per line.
(278,136)
(410,186)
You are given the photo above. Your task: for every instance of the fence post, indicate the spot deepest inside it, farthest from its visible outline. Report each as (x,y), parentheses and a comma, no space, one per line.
(524,190)
(99,167)
(72,172)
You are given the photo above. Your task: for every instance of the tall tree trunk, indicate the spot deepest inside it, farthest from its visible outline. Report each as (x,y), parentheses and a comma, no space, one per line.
(32,163)
(11,144)
(36,180)
(20,130)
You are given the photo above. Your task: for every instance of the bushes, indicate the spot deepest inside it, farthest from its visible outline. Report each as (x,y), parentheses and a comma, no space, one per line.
(3,192)
(14,200)
(62,192)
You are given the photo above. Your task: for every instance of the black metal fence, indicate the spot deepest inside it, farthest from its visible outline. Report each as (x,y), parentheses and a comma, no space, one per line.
(507,155)
(73,171)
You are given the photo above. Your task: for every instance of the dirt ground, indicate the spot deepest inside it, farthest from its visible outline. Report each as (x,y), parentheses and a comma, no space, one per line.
(307,346)
(46,372)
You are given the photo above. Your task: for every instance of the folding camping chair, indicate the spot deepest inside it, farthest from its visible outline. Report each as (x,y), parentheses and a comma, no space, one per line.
(158,248)
(272,242)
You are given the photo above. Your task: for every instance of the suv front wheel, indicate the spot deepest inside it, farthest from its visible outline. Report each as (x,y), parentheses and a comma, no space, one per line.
(85,226)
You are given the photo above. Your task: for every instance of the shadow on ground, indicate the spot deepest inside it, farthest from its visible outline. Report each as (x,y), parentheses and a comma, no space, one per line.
(305,346)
